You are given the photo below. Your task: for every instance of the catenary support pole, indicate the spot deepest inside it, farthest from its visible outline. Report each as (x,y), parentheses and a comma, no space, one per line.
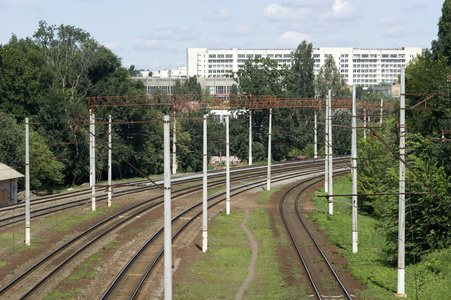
(364,123)
(93,160)
(326,150)
(110,168)
(227,166)
(402,189)
(268,181)
(27,183)
(205,191)
(250,137)
(167,212)
(315,137)
(330,152)
(174,145)
(354,172)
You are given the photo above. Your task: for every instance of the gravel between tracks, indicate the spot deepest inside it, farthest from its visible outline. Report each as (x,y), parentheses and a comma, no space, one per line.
(115,251)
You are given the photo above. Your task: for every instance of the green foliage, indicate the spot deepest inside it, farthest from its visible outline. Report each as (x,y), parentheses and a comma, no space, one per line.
(442,46)
(260,76)
(133,72)
(426,216)
(330,78)
(300,81)
(24,77)
(189,87)
(12,136)
(429,278)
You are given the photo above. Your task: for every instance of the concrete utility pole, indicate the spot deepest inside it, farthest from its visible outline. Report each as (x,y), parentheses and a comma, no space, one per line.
(110,168)
(167,212)
(205,191)
(402,188)
(27,184)
(354,172)
(268,182)
(326,150)
(250,137)
(331,170)
(315,137)
(227,166)
(382,111)
(93,159)
(174,145)
(364,123)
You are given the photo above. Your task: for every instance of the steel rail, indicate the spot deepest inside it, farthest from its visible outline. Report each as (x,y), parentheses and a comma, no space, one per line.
(298,250)
(20,277)
(19,217)
(134,260)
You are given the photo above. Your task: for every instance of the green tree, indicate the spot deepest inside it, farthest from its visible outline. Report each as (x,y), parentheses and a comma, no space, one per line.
(46,172)
(178,88)
(234,89)
(192,86)
(133,72)
(301,81)
(329,77)
(24,77)
(442,46)
(260,76)
(70,52)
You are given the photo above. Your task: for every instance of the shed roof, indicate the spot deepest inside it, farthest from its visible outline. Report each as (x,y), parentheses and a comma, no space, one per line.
(7,173)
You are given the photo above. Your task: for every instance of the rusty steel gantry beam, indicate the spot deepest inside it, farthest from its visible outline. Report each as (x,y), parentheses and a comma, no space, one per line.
(252,102)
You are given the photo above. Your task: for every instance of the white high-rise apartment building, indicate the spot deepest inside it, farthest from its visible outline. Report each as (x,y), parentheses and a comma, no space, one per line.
(364,67)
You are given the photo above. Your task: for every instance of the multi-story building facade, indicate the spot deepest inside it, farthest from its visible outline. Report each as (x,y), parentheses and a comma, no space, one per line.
(365,67)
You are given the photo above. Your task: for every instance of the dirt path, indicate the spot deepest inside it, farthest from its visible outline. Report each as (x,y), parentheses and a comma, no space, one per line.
(254,248)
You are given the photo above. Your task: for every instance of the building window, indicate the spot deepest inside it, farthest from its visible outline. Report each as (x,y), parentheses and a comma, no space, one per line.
(270,55)
(212,56)
(286,56)
(241,56)
(249,55)
(220,55)
(229,55)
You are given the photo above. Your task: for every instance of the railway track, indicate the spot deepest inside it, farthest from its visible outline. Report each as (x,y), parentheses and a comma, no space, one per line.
(325,282)
(30,282)
(55,203)
(129,282)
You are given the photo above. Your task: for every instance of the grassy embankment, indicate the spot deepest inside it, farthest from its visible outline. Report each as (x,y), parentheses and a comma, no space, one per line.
(219,273)
(432,274)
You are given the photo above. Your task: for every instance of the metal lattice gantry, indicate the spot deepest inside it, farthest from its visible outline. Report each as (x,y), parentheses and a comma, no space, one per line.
(252,102)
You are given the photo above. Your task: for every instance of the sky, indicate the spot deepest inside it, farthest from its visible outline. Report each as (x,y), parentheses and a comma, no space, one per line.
(154,35)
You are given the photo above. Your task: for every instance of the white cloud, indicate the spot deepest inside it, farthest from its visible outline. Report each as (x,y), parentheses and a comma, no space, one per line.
(275,12)
(115,46)
(240,31)
(395,32)
(307,3)
(161,32)
(146,45)
(291,39)
(218,15)
(389,21)
(341,10)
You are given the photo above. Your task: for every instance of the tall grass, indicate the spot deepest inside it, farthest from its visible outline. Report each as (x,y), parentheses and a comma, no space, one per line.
(428,279)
